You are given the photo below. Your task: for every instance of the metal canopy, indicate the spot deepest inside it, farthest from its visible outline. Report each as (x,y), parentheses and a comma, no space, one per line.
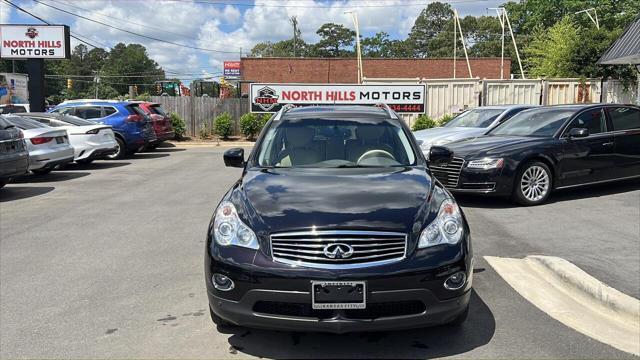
(625,50)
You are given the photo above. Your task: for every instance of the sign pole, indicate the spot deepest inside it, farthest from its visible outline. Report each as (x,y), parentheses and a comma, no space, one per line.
(35,70)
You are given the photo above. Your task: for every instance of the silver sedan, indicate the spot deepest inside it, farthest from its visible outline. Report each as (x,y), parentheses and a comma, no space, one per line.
(48,147)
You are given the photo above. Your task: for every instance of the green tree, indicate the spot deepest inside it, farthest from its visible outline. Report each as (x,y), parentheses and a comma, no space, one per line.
(130,59)
(334,40)
(551,52)
(433,20)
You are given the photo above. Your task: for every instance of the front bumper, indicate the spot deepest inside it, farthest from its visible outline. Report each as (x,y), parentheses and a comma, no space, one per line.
(296,313)
(406,294)
(491,182)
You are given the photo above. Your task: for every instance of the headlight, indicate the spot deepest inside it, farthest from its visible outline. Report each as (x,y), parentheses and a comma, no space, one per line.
(486,163)
(446,228)
(228,229)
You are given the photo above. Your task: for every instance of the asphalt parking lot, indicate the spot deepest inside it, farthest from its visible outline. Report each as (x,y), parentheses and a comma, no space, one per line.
(106,261)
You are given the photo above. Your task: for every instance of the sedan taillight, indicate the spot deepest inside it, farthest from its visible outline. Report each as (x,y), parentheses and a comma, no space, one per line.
(40,140)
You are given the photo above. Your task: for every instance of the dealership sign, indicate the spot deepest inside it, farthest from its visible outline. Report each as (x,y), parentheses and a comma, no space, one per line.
(231,69)
(34,42)
(401,98)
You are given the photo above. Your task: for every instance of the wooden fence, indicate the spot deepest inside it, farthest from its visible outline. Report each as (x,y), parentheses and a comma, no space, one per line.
(199,112)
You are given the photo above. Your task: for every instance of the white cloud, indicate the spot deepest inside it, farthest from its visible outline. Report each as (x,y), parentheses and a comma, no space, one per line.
(5,12)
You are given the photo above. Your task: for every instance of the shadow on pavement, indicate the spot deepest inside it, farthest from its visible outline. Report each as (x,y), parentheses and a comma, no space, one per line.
(148,155)
(583,192)
(10,192)
(418,343)
(166,145)
(96,165)
(166,150)
(50,177)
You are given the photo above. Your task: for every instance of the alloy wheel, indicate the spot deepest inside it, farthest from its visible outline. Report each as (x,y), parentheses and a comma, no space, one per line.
(534,183)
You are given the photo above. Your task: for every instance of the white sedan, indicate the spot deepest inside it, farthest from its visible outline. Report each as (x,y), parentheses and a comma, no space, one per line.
(48,147)
(89,139)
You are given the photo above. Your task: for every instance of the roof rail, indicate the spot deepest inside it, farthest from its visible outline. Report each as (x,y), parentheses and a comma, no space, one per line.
(283,110)
(392,114)
(88,100)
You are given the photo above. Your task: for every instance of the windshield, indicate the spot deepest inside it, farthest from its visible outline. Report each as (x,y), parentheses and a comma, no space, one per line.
(535,122)
(478,118)
(325,143)
(24,123)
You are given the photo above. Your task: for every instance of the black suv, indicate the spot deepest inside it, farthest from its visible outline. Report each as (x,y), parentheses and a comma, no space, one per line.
(14,158)
(337,225)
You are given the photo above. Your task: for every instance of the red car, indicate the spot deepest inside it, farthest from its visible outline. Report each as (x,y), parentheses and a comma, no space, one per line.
(161,123)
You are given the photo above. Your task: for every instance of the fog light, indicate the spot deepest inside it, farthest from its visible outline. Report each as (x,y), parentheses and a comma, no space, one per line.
(222,282)
(455,281)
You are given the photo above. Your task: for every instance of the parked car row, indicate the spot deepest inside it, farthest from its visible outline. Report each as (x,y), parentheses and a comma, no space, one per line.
(527,152)
(80,131)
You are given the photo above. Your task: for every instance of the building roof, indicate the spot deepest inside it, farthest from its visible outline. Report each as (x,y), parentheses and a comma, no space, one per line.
(625,50)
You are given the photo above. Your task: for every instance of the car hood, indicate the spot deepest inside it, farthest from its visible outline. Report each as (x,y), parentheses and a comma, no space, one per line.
(486,146)
(279,200)
(444,135)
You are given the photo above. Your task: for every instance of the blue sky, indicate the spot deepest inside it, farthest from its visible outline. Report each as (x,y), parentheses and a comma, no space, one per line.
(224,25)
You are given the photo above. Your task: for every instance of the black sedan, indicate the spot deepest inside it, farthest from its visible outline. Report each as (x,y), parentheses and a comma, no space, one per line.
(14,158)
(543,149)
(336,225)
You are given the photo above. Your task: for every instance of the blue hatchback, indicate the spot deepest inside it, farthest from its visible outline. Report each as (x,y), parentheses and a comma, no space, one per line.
(132,127)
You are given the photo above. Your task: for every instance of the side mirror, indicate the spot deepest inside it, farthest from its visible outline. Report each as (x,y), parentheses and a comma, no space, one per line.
(439,155)
(234,157)
(420,142)
(578,133)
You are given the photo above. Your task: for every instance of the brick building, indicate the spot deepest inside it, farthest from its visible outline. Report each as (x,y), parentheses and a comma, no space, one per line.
(344,70)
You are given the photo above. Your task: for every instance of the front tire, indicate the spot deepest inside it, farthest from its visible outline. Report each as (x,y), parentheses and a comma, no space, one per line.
(533,184)
(121,150)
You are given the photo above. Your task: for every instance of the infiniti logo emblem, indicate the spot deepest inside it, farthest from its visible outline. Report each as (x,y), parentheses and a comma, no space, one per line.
(338,251)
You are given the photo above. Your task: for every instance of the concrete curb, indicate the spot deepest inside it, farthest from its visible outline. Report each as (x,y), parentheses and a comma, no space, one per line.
(586,285)
(568,294)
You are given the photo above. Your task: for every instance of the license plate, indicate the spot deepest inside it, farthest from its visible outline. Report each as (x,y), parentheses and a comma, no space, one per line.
(338,294)
(60,140)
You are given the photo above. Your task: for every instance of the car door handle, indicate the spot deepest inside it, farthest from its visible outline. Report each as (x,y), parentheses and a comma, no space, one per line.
(607,144)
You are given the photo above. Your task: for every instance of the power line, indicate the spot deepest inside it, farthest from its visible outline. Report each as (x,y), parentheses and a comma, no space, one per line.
(66,3)
(421,3)
(131,32)
(48,23)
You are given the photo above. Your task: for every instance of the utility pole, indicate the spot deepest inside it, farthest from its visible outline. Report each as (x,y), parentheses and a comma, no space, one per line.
(96,80)
(595,13)
(504,20)
(354,17)
(458,27)
(294,22)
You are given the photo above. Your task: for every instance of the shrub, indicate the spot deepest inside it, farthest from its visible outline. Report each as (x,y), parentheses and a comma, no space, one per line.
(251,124)
(423,122)
(179,126)
(222,125)
(205,131)
(445,119)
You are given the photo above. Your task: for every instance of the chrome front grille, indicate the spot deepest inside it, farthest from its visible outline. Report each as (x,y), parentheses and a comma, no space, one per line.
(318,248)
(448,174)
